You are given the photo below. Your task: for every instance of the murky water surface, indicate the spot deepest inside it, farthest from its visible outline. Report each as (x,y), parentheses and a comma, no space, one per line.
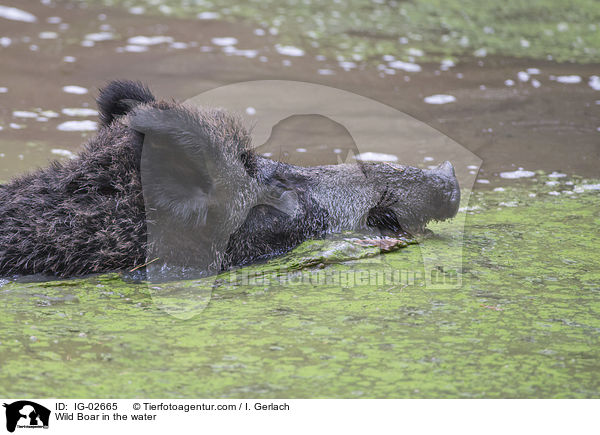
(525,321)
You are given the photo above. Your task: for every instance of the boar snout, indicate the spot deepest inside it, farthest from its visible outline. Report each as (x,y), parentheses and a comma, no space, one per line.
(447,184)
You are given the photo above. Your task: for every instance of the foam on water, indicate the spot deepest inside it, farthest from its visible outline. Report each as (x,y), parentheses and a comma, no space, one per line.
(572,79)
(78,126)
(481,52)
(376,157)
(63,153)
(100,36)
(231,50)
(208,16)
(446,64)
(133,48)
(405,66)
(223,41)
(440,99)
(179,45)
(48,35)
(557,175)
(137,10)
(72,89)
(347,65)
(79,111)
(289,50)
(520,173)
(49,114)
(15,14)
(24,114)
(149,40)
(583,187)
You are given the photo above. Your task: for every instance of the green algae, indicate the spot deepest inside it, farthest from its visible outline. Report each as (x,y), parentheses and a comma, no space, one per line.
(524,322)
(360,29)
(347,247)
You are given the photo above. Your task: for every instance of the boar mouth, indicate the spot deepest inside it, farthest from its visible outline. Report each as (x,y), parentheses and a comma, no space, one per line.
(386,220)
(393,220)
(438,201)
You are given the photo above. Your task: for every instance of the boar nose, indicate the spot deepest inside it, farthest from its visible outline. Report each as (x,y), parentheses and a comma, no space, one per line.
(446,168)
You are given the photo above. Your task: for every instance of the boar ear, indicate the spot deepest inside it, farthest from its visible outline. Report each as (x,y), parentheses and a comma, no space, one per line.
(119,97)
(177,159)
(189,158)
(193,182)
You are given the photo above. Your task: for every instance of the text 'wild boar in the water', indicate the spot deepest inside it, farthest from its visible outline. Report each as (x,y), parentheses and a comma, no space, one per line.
(181,186)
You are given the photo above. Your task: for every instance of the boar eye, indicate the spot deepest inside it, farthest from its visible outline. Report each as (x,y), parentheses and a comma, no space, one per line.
(245,158)
(249,162)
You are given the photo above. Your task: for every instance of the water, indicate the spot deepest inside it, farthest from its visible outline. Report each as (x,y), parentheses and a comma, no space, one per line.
(10,13)
(78,126)
(524,323)
(73,89)
(439,99)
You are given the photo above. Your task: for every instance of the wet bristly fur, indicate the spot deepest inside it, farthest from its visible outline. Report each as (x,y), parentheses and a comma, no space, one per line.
(82,216)
(196,195)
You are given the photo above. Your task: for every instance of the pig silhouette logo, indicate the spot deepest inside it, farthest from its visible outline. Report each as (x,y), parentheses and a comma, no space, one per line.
(26,414)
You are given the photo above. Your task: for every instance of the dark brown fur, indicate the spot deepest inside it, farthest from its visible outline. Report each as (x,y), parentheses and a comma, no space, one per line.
(211,202)
(82,216)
